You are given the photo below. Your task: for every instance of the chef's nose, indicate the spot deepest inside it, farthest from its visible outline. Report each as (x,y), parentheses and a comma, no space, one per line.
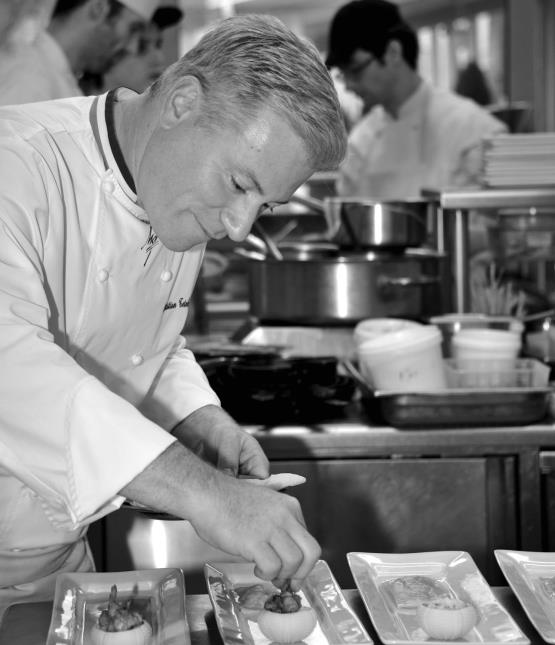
(238,221)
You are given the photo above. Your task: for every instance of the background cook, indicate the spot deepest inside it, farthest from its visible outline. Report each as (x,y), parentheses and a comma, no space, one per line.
(413,136)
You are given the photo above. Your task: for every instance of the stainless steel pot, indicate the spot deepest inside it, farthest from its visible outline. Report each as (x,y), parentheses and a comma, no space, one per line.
(356,223)
(346,288)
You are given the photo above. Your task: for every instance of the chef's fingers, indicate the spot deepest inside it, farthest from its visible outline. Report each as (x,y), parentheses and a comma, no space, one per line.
(267,561)
(311,552)
(252,459)
(290,554)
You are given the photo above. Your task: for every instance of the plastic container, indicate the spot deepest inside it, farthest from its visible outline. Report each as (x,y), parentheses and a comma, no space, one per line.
(489,374)
(452,324)
(486,344)
(407,360)
(373,327)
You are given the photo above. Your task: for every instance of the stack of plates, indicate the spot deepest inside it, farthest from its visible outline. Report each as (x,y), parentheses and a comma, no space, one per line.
(519,160)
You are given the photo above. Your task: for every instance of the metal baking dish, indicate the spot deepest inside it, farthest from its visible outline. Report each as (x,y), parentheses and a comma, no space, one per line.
(459,407)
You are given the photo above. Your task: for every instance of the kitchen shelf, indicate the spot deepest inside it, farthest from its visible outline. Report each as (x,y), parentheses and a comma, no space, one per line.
(453,232)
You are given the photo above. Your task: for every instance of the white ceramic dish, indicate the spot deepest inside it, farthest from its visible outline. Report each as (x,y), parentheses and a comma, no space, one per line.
(530,574)
(337,623)
(457,575)
(159,594)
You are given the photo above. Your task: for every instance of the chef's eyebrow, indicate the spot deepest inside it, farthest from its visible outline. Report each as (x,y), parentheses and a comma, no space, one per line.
(258,187)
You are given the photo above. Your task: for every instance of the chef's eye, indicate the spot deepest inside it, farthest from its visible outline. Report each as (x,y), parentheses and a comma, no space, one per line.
(237,186)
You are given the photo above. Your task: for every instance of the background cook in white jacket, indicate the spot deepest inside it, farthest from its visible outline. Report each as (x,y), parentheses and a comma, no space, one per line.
(106,205)
(413,136)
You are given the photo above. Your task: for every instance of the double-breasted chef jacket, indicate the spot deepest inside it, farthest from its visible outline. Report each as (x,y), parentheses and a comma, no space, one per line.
(94,371)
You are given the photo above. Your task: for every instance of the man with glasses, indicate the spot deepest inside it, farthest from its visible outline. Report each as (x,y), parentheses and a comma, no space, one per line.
(82,35)
(412,135)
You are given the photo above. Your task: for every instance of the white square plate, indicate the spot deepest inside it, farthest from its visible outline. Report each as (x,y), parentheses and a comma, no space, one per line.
(159,594)
(454,571)
(530,574)
(337,623)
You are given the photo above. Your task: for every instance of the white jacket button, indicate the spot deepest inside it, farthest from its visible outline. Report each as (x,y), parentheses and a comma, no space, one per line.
(102,275)
(166,276)
(108,185)
(137,359)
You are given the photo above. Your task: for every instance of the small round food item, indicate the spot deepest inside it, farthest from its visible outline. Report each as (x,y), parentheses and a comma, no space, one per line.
(119,624)
(284,619)
(446,618)
(287,628)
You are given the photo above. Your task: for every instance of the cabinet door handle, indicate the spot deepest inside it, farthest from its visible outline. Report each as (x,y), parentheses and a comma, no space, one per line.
(547,461)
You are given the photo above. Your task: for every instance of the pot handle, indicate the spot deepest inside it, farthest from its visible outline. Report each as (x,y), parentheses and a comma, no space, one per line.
(385,281)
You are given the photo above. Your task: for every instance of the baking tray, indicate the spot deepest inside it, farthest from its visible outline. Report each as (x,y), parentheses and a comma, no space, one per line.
(454,407)
(459,407)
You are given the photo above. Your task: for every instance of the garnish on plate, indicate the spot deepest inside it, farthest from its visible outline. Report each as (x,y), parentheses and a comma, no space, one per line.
(120,624)
(284,619)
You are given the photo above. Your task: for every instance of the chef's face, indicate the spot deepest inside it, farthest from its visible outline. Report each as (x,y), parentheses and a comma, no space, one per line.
(200,183)
(368,77)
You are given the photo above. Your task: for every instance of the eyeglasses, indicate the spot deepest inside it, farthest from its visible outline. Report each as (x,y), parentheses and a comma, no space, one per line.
(354,72)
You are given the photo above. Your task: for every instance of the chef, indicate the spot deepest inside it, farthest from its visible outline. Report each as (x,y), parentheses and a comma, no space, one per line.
(106,205)
(413,136)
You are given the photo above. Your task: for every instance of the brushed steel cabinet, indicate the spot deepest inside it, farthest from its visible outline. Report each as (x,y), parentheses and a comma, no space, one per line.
(402,505)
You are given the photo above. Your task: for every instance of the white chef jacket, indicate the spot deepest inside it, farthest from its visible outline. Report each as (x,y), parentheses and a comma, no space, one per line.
(435,143)
(37,71)
(94,372)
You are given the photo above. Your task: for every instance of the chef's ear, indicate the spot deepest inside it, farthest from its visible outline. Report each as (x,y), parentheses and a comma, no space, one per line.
(182,102)
(98,10)
(393,53)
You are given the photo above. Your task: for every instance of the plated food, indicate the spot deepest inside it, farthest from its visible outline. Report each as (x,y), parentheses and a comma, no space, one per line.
(251,611)
(120,623)
(282,617)
(408,592)
(432,597)
(446,618)
(531,576)
(120,608)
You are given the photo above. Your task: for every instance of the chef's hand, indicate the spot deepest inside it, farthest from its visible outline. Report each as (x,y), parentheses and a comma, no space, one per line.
(213,435)
(248,520)
(260,525)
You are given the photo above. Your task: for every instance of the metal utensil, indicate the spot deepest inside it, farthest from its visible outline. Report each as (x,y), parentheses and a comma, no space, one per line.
(250,255)
(272,246)
(256,243)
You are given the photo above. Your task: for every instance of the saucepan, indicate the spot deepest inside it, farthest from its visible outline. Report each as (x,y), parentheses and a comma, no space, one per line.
(356,223)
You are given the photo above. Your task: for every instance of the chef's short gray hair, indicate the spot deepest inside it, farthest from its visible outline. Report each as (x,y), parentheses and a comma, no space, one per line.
(249,62)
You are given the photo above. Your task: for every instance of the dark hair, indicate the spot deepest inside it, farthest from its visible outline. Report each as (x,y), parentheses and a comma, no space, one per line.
(369,25)
(64,7)
(408,40)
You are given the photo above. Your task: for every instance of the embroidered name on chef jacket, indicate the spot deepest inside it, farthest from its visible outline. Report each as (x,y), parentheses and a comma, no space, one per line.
(175,304)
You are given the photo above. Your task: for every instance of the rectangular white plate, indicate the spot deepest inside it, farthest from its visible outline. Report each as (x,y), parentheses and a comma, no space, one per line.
(455,571)
(526,573)
(337,623)
(80,597)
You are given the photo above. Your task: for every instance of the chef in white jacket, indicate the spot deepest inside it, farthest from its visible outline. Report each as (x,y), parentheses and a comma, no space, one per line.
(106,204)
(413,136)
